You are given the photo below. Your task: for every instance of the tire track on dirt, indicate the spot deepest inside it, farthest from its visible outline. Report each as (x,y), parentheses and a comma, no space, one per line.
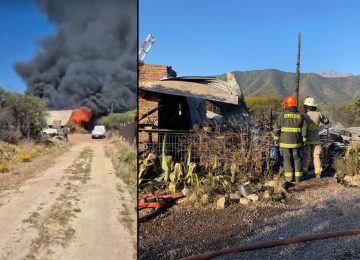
(34,196)
(100,231)
(55,227)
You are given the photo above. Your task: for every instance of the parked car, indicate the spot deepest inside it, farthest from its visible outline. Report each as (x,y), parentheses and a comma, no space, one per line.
(98,132)
(50,131)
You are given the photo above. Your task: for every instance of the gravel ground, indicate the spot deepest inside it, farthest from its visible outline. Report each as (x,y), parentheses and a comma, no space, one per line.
(314,206)
(325,209)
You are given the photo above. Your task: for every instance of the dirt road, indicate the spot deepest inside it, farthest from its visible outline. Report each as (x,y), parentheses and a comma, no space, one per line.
(77,209)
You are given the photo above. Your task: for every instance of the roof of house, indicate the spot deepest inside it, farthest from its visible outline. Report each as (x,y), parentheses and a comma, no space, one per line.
(59,115)
(208,88)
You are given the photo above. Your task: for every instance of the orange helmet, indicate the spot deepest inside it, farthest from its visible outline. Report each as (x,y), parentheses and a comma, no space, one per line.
(290,101)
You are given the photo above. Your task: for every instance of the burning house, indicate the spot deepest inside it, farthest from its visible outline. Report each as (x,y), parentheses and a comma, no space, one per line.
(58,118)
(179,105)
(88,64)
(81,117)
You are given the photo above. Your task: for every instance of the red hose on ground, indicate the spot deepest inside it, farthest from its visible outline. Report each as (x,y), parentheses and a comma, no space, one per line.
(274,243)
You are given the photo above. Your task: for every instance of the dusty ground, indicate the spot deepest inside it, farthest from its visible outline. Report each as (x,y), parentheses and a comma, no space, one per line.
(76,209)
(312,207)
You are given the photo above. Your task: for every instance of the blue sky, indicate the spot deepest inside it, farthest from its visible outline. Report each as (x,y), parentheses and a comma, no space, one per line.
(22,26)
(209,37)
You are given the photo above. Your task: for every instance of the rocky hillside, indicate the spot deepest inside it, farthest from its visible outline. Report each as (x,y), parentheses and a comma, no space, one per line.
(334,74)
(273,82)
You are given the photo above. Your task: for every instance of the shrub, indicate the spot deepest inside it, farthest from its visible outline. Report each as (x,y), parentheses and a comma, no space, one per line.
(10,136)
(26,156)
(5,166)
(125,162)
(7,151)
(260,107)
(346,113)
(113,121)
(71,126)
(349,164)
(81,131)
(128,156)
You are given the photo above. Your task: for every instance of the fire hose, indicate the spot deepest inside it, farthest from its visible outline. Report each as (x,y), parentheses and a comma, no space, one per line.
(155,203)
(274,243)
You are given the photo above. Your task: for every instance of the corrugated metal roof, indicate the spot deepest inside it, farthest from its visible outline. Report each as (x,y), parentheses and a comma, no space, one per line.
(62,115)
(230,85)
(209,88)
(204,88)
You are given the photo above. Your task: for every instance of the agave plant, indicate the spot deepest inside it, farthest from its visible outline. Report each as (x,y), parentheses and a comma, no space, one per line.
(233,170)
(177,174)
(146,167)
(191,177)
(166,162)
(184,172)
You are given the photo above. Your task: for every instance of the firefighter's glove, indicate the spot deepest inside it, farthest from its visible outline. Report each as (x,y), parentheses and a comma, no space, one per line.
(304,140)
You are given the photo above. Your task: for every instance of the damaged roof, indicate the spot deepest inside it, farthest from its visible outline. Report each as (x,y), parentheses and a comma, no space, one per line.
(208,88)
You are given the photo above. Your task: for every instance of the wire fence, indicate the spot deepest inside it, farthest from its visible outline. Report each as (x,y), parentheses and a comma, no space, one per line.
(249,150)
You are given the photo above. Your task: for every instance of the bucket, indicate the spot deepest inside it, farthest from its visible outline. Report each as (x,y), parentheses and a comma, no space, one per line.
(245,189)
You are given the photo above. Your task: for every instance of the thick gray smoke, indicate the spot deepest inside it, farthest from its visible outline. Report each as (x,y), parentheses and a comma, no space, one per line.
(91,60)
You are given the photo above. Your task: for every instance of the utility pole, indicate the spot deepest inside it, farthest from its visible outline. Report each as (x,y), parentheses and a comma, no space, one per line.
(298,69)
(112,108)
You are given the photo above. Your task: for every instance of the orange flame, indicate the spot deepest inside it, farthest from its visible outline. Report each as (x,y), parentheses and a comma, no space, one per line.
(80,116)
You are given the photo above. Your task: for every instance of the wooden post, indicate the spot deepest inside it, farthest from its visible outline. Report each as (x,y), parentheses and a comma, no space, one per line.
(298,70)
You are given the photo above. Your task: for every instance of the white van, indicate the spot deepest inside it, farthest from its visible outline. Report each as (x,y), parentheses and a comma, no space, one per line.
(98,132)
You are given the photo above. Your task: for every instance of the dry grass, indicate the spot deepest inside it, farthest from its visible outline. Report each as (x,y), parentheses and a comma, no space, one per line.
(248,152)
(42,158)
(127,218)
(219,162)
(123,156)
(81,169)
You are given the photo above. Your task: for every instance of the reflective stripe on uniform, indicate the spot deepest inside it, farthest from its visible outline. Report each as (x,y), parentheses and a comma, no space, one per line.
(298,174)
(291,129)
(282,145)
(288,174)
(276,138)
(318,170)
(296,116)
(312,142)
(313,127)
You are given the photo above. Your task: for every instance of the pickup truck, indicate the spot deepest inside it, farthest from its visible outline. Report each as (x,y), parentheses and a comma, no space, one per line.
(50,131)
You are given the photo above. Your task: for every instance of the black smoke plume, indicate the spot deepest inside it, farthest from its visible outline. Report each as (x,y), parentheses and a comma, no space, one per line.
(91,59)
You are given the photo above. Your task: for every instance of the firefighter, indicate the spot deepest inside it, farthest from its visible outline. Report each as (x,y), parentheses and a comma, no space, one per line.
(289,133)
(312,148)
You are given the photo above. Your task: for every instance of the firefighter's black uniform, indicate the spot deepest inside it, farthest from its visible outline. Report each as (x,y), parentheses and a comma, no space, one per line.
(290,131)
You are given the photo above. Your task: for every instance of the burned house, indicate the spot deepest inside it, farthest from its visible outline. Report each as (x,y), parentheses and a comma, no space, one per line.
(178,105)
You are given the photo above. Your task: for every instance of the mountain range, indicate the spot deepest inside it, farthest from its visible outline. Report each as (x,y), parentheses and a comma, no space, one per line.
(334,74)
(272,82)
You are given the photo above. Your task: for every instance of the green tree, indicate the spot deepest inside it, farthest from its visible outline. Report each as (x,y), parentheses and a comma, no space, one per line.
(347,113)
(260,107)
(22,113)
(113,121)
(355,106)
